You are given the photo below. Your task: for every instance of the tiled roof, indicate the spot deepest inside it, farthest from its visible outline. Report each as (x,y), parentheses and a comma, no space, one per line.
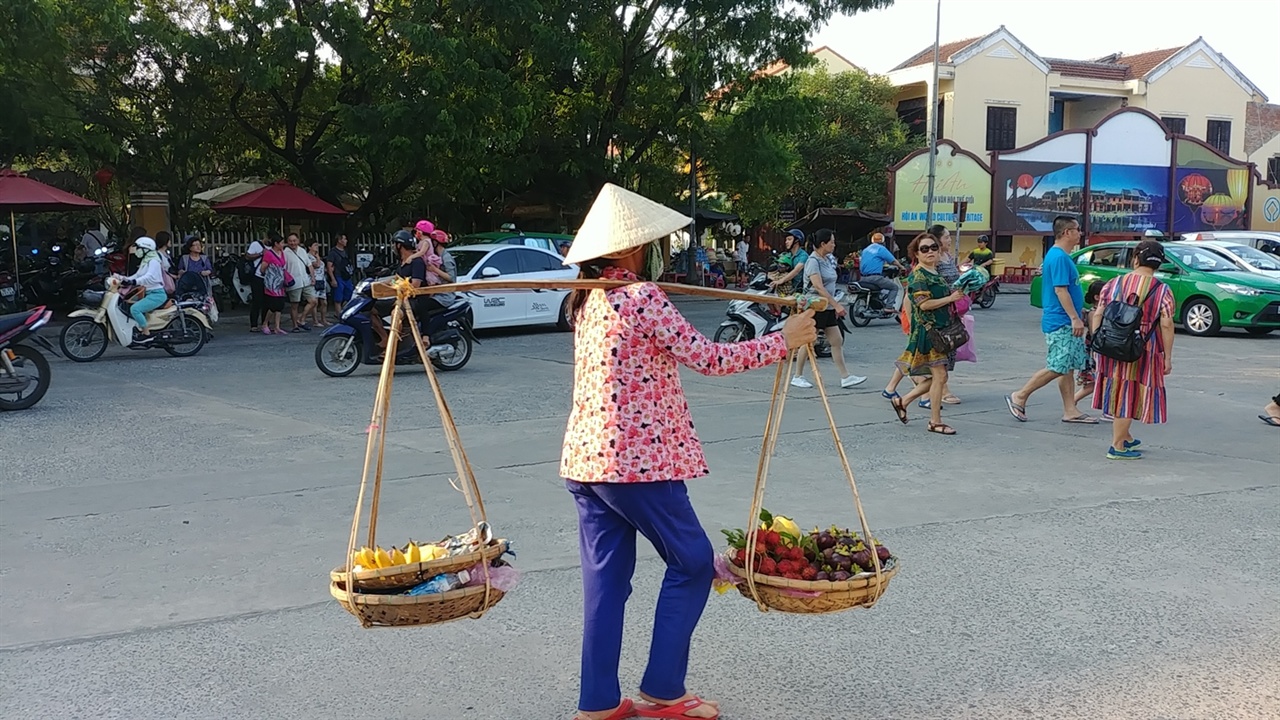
(925,56)
(1261,123)
(1143,63)
(1088,69)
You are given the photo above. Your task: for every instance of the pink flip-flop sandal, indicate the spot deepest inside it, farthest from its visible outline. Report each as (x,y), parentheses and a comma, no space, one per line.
(672,712)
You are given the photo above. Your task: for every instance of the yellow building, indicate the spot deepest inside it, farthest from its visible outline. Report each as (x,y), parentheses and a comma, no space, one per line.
(996,94)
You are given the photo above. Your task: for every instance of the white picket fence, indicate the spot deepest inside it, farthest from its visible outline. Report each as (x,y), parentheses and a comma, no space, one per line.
(222,242)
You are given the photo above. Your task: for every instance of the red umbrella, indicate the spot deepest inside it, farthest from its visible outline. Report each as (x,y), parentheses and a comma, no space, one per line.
(22,194)
(278,198)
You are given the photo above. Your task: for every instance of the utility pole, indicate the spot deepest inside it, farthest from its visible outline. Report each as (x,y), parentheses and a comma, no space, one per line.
(933,113)
(691,259)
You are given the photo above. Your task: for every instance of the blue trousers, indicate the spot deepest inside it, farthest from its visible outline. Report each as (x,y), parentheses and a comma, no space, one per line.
(609,515)
(152,300)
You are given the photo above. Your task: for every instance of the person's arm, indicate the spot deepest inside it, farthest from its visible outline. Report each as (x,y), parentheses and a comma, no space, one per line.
(328,269)
(662,322)
(1064,296)
(932,303)
(1166,329)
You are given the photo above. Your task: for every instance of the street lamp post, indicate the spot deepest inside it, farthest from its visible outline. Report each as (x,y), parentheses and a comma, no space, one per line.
(933,113)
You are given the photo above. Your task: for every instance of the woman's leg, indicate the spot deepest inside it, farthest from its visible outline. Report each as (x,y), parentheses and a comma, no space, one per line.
(256,308)
(894,381)
(607,544)
(152,300)
(836,340)
(920,390)
(1120,433)
(936,388)
(662,513)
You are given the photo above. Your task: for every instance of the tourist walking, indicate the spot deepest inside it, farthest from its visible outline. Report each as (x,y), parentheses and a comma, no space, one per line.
(931,299)
(339,273)
(949,269)
(319,282)
(1062,323)
(630,446)
(1129,391)
(257,295)
(820,282)
(302,294)
(275,281)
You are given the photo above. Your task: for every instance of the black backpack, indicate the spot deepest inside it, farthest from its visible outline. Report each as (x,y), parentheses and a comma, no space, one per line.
(1120,337)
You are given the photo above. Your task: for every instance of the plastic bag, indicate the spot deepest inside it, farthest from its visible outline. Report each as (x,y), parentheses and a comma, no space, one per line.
(971,280)
(501,577)
(967,352)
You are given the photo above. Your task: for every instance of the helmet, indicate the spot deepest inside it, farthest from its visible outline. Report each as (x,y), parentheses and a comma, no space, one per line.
(440,236)
(426,227)
(402,237)
(797,234)
(984,239)
(145,243)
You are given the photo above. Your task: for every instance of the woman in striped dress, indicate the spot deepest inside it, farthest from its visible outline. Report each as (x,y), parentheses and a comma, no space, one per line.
(1129,391)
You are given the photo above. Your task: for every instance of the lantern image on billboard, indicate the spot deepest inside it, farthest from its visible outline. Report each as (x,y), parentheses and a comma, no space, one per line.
(1194,189)
(1025,181)
(1219,211)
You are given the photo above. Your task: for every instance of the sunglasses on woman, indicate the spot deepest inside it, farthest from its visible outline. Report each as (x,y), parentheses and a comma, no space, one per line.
(927,248)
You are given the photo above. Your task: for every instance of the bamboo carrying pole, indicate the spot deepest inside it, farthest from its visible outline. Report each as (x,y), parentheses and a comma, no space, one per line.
(383,290)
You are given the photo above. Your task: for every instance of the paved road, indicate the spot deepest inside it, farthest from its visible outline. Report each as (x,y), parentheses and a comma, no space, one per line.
(168,525)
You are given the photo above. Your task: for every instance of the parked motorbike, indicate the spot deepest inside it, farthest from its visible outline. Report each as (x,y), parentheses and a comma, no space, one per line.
(24,371)
(868,303)
(229,286)
(347,345)
(10,293)
(179,328)
(985,296)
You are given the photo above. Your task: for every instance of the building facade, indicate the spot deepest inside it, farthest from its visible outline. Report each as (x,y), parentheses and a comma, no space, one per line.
(995,93)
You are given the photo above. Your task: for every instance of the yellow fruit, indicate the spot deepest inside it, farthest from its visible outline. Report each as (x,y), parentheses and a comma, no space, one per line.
(383,559)
(786,526)
(433,552)
(412,554)
(365,558)
(397,557)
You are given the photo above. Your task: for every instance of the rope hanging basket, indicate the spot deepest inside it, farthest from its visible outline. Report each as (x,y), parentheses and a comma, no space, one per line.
(377,596)
(787,594)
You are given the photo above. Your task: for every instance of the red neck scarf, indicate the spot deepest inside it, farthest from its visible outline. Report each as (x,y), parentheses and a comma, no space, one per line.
(617,273)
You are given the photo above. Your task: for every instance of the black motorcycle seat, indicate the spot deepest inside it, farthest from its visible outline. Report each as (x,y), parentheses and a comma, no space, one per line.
(16,320)
(93,297)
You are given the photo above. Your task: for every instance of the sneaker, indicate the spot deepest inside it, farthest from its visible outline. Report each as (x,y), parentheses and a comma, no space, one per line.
(1131,444)
(852,381)
(140,339)
(1114,454)
(800,382)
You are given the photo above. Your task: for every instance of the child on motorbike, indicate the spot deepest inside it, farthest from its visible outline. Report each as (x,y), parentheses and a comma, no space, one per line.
(150,277)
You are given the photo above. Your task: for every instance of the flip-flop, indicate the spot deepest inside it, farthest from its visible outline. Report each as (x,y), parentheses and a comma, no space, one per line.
(679,710)
(1081,420)
(1270,420)
(1018,412)
(626,710)
(899,409)
(950,400)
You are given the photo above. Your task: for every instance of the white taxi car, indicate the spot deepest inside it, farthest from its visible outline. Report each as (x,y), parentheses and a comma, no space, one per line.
(511,308)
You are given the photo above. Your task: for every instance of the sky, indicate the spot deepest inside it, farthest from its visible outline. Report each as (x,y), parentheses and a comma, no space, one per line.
(1242,30)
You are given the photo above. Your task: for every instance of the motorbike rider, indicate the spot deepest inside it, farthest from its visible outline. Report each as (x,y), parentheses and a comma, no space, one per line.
(871,266)
(413,267)
(795,247)
(150,277)
(982,256)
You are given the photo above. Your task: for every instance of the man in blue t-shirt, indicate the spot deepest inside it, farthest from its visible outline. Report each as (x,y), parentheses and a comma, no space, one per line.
(1062,324)
(871,269)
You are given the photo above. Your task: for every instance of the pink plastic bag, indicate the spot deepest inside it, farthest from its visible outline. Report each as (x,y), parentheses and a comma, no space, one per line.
(967,352)
(962,305)
(503,577)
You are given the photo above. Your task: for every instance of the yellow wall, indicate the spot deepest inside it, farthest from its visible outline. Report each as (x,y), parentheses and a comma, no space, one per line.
(983,81)
(1087,112)
(1200,94)
(1269,149)
(1265,199)
(1027,250)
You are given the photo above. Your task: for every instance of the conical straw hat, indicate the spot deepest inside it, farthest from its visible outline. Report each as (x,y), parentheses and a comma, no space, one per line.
(621,220)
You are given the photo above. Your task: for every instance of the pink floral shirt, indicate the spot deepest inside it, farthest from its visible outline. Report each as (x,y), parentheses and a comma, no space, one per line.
(630,421)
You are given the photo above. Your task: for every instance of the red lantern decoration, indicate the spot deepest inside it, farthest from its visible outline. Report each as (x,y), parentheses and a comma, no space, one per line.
(1025,181)
(1194,190)
(103,177)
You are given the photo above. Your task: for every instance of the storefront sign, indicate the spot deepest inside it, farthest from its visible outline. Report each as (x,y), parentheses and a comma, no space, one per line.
(959,177)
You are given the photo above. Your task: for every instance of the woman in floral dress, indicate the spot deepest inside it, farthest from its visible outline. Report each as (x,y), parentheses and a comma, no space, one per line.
(630,447)
(931,298)
(1129,391)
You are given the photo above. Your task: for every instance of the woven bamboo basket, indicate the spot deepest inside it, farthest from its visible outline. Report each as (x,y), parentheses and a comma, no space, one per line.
(406,576)
(367,594)
(769,591)
(861,590)
(415,610)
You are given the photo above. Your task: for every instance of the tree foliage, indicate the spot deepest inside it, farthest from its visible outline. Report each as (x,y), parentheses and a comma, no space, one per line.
(403,106)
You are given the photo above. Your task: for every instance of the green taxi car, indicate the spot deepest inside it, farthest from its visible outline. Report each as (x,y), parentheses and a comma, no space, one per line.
(1211,292)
